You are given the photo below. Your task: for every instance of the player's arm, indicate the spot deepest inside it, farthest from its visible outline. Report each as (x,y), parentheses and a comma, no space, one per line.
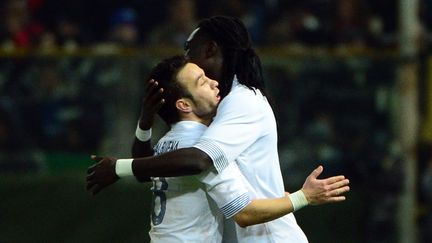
(313,192)
(107,170)
(263,210)
(142,147)
(181,162)
(176,163)
(151,103)
(231,192)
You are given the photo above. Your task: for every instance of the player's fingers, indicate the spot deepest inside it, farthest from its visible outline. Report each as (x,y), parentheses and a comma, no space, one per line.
(153,109)
(333,179)
(96,189)
(151,86)
(90,176)
(336,199)
(315,173)
(338,184)
(96,158)
(153,98)
(159,105)
(89,185)
(91,169)
(339,191)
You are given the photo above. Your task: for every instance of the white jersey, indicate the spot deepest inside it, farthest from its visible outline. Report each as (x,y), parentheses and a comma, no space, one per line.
(181,209)
(244,131)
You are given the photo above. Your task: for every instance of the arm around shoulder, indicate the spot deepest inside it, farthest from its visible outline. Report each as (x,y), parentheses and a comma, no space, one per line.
(181,162)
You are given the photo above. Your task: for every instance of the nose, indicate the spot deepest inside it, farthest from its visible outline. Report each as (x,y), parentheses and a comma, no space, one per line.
(214,83)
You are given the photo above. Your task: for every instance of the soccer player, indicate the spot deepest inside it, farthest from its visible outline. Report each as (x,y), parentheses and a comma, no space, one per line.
(191,99)
(242,132)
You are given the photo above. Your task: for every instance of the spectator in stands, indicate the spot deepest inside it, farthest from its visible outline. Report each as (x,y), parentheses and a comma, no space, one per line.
(298,26)
(20,30)
(17,153)
(254,14)
(124,29)
(69,33)
(179,23)
(349,24)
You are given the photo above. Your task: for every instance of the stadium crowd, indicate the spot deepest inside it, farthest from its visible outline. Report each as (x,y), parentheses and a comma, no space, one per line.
(68,24)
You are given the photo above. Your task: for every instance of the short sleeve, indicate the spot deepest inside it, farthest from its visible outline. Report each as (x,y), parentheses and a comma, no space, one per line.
(237,125)
(228,189)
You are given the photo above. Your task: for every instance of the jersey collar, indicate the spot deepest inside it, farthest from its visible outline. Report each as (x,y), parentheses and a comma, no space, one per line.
(182,125)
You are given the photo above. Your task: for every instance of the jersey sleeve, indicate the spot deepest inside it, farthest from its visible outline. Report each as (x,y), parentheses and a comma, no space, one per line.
(228,189)
(237,125)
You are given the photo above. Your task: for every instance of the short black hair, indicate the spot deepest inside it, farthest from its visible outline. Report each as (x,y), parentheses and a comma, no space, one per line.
(165,73)
(239,58)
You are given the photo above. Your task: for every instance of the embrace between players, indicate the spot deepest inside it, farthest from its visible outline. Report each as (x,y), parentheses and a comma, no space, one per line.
(219,159)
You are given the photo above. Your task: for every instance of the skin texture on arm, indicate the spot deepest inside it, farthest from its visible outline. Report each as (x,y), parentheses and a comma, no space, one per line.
(181,162)
(151,103)
(187,161)
(142,149)
(317,192)
(263,210)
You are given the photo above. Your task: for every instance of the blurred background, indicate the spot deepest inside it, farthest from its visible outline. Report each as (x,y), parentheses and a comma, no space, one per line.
(351,81)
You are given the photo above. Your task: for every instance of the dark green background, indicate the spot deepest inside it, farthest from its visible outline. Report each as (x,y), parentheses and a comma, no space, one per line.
(55,207)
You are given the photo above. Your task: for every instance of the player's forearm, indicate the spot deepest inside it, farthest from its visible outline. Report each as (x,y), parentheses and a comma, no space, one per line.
(141,149)
(263,210)
(181,162)
(142,146)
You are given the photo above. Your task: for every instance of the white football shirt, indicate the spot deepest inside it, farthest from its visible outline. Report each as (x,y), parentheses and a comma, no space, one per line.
(244,130)
(182,210)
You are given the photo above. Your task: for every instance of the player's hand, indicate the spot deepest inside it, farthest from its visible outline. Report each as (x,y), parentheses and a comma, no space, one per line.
(151,103)
(101,174)
(327,190)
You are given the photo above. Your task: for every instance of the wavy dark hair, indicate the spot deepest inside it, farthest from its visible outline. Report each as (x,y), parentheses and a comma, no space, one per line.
(165,73)
(239,58)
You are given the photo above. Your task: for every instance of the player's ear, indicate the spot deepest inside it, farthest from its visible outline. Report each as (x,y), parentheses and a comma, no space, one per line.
(184,105)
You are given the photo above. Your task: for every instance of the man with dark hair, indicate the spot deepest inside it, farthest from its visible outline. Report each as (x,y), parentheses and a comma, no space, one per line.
(190,103)
(243,132)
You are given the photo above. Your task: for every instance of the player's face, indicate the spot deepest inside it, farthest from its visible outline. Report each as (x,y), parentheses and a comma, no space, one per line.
(192,50)
(195,53)
(204,91)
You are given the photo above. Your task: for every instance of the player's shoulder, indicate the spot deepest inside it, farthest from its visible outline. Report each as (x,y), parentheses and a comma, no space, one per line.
(242,98)
(240,89)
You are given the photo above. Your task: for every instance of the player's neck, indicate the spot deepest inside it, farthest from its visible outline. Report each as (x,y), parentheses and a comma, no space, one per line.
(192,117)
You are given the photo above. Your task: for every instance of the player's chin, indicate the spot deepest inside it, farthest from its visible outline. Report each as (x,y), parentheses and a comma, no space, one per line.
(213,113)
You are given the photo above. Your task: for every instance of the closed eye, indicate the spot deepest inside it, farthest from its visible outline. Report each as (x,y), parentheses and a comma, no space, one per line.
(203,81)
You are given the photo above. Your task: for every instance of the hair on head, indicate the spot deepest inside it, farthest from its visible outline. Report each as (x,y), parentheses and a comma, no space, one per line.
(165,73)
(240,58)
